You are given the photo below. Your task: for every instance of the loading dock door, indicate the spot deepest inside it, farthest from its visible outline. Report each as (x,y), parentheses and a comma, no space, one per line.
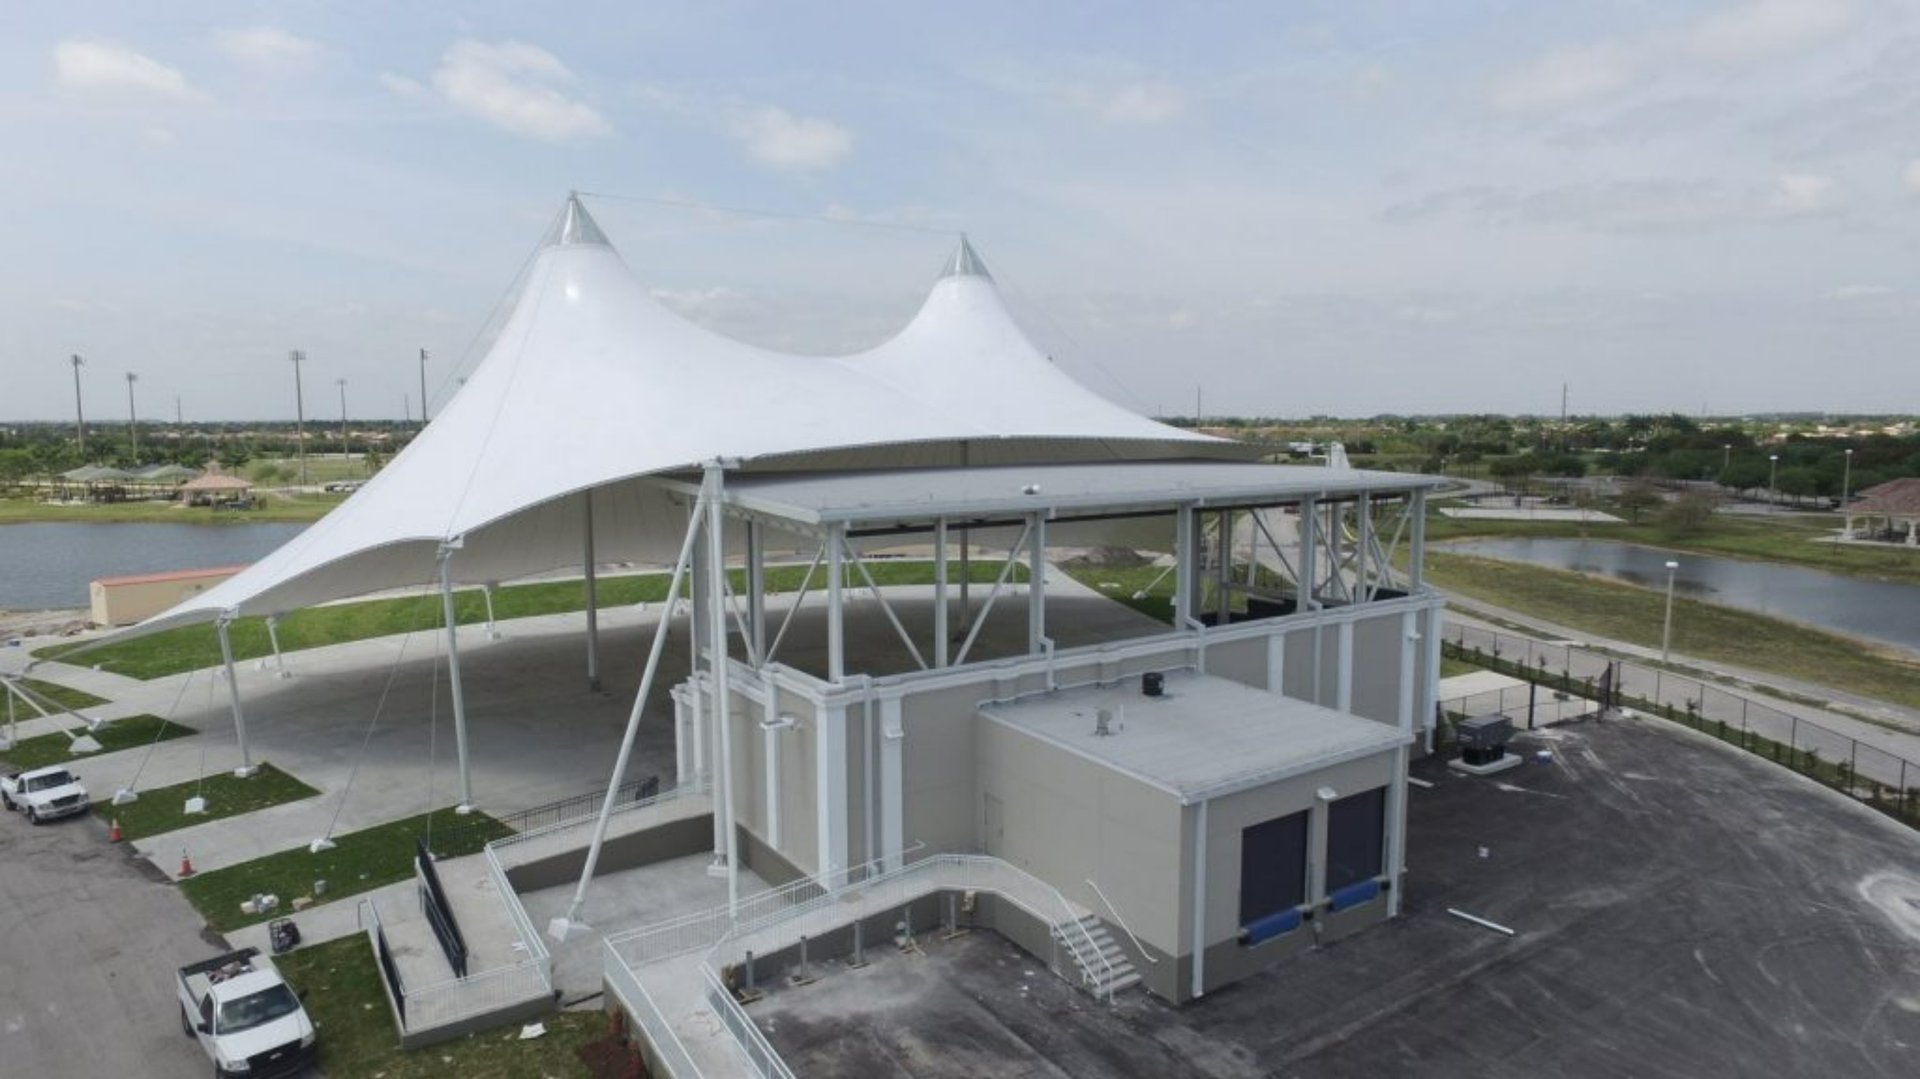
(1356,838)
(1273,867)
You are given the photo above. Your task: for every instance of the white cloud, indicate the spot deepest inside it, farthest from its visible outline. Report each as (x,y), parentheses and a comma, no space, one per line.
(114,71)
(1859,292)
(1911,176)
(1799,193)
(401,85)
(511,85)
(1567,76)
(267,46)
(1142,103)
(778,138)
(1765,28)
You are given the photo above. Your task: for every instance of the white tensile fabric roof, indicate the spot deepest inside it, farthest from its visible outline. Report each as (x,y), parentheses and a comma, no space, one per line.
(592,385)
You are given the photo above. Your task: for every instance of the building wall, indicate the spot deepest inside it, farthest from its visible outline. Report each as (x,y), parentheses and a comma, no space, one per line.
(1067,820)
(116,604)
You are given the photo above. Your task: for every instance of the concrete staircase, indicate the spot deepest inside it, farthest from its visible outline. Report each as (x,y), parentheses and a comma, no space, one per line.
(1103,980)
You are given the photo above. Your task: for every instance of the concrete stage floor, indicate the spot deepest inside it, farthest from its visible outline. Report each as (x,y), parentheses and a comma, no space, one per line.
(1682,910)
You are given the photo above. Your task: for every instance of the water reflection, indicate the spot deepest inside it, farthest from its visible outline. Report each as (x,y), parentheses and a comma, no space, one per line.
(1877,609)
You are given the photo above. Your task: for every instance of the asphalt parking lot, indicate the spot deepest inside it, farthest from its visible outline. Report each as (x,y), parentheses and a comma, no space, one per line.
(1681,909)
(91,936)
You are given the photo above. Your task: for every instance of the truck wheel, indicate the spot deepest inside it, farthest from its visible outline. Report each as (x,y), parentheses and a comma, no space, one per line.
(8,800)
(185,1026)
(33,814)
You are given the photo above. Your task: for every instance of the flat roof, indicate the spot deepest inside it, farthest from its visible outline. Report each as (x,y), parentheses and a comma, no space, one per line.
(1074,489)
(1204,738)
(169,575)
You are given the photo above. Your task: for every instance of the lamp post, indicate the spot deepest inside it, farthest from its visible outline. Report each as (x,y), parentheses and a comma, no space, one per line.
(299,412)
(133,421)
(423,389)
(1773,492)
(342,383)
(79,417)
(1666,633)
(1846,491)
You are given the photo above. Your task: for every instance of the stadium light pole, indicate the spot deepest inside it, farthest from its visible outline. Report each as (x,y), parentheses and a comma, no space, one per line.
(1666,633)
(79,417)
(299,412)
(133,421)
(423,388)
(342,383)
(1773,492)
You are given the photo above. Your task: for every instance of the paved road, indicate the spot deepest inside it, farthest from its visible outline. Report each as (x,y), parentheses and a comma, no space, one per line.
(89,939)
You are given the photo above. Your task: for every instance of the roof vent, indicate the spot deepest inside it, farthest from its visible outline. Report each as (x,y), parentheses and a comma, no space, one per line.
(1103,723)
(1153,684)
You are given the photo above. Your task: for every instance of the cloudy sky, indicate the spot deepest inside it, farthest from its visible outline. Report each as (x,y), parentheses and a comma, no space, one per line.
(1292,208)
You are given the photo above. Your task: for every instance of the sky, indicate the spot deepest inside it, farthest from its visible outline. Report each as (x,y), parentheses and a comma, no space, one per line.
(1343,208)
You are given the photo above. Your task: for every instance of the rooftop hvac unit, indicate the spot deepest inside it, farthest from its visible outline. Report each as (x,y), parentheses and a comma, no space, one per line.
(1483,739)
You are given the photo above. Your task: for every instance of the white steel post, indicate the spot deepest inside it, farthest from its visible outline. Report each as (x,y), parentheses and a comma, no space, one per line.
(1417,543)
(757,591)
(940,642)
(1343,688)
(1198,986)
(830,795)
(1036,583)
(233,693)
(593,597)
(719,664)
(1309,554)
(453,673)
(892,794)
(836,628)
(1363,550)
(560,927)
(1186,572)
(273,638)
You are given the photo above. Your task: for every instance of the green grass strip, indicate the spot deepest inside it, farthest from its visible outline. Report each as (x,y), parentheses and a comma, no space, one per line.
(161,809)
(359,862)
(133,731)
(340,984)
(64,696)
(195,647)
(1706,631)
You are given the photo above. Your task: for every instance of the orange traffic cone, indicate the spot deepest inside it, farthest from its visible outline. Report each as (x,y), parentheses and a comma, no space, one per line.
(186,864)
(113,833)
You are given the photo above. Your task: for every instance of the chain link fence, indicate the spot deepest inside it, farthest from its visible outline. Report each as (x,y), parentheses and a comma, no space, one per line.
(1879,778)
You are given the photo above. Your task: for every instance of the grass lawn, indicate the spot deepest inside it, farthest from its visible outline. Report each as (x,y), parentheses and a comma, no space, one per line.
(44,749)
(278,508)
(343,995)
(1122,583)
(195,647)
(61,695)
(360,861)
(1452,668)
(160,809)
(1625,613)
(1789,539)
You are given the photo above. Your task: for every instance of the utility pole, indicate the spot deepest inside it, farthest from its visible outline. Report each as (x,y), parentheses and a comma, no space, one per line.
(177,421)
(133,422)
(79,417)
(343,415)
(299,412)
(423,388)
(406,409)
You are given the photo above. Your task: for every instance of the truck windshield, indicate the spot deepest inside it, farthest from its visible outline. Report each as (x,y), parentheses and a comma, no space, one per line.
(48,782)
(248,1012)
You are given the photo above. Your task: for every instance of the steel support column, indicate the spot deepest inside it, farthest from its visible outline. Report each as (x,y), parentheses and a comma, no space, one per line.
(233,693)
(593,597)
(940,633)
(456,692)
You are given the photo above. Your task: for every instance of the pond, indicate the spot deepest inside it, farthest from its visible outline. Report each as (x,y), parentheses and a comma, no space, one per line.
(1879,610)
(47,565)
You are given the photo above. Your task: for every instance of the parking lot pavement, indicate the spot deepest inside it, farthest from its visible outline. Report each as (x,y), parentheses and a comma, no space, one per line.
(90,937)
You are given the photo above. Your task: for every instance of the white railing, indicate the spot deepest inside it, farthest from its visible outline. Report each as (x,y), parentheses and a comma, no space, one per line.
(530,939)
(671,1055)
(455,999)
(1120,921)
(759,1052)
(694,786)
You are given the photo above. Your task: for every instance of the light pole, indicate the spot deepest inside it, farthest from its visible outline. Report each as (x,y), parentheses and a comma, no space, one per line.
(342,383)
(1726,456)
(299,412)
(423,388)
(1666,633)
(79,417)
(1846,491)
(1773,492)
(133,422)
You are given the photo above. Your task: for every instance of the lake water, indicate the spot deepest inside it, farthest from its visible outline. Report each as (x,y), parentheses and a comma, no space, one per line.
(48,565)
(1866,608)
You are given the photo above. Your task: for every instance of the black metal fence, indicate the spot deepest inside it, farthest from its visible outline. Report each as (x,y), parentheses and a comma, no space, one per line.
(580,806)
(1876,776)
(390,972)
(439,913)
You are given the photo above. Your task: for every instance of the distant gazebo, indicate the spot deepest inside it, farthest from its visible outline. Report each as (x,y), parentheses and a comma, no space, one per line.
(215,487)
(1896,503)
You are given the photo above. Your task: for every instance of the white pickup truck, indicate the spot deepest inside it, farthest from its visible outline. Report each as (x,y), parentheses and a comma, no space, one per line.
(44,794)
(245,1016)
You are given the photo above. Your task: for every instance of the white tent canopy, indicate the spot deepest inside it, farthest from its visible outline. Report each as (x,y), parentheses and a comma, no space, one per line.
(592,385)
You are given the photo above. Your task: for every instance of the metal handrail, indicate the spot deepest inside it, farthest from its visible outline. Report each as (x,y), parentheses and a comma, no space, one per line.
(1121,922)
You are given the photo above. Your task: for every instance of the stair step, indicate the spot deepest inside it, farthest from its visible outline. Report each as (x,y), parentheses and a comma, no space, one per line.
(1126,981)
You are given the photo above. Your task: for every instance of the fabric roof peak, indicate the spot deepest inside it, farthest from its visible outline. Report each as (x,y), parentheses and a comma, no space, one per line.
(575,226)
(966,263)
